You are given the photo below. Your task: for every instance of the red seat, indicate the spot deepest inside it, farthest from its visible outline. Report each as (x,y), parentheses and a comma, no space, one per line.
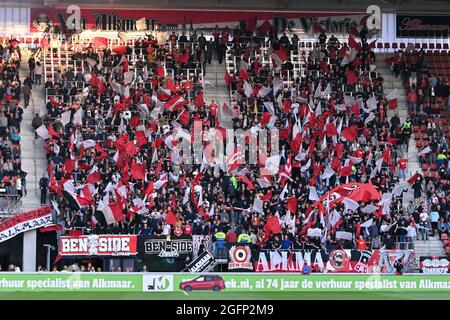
(444,236)
(446,46)
(419,144)
(394,45)
(424,167)
(379,45)
(424,46)
(416,128)
(447,249)
(431,46)
(387,45)
(433,167)
(417,45)
(438,46)
(402,46)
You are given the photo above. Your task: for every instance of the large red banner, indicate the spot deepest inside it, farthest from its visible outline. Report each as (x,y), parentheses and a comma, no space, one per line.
(98,245)
(125,20)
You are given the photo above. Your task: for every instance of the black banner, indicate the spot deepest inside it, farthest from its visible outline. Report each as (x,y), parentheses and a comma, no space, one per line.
(423,26)
(434,265)
(202,263)
(163,247)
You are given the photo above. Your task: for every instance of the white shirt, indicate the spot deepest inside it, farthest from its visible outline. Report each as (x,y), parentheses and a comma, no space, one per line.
(411,231)
(423,217)
(166,229)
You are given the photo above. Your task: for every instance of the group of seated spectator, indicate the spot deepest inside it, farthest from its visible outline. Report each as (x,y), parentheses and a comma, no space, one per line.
(12,90)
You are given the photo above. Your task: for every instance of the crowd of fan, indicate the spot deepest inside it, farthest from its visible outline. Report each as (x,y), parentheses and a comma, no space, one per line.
(425,93)
(159,202)
(12,92)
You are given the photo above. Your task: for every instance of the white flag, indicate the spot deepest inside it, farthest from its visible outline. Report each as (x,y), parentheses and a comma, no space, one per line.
(425,151)
(248,89)
(370,118)
(258,205)
(270,107)
(328,173)
(306,166)
(264,91)
(65,118)
(78,117)
(313,195)
(392,95)
(369,209)
(42,132)
(277,85)
(350,204)
(367,224)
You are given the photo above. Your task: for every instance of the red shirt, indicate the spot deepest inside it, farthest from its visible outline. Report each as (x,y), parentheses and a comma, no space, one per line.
(187,229)
(213,109)
(231,237)
(402,163)
(178,232)
(361,244)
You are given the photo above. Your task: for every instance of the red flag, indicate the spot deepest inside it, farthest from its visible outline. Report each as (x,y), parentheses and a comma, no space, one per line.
(150,189)
(137,171)
(135,121)
(169,85)
(287,105)
(265,118)
(272,226)
(52,131)
(346,171)
(353,44)
(199,100)
(100,42)
(141,138)
(184,58)
(117,211)
(292,204)
(228,79)
(246,181)
(182,180)
(50,228)
(330,128)
(351,77)
(414,178)
(120,50)
(243,74)
(184,118)
(350,133)
(265,27)
(69,166)
(171,218)
(94,177)
(267,196)
(355,109)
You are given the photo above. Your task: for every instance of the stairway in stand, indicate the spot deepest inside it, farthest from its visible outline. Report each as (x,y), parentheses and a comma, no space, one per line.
(432,247)
(390,83)
(34,160)
(214,74)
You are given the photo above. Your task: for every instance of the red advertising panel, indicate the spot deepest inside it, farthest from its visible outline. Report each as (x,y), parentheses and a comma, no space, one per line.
(98,245)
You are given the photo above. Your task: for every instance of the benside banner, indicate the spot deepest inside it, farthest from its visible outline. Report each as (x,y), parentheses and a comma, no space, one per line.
(98,245)
(25,221)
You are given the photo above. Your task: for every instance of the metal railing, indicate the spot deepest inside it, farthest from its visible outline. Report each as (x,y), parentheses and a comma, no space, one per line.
(9,204)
